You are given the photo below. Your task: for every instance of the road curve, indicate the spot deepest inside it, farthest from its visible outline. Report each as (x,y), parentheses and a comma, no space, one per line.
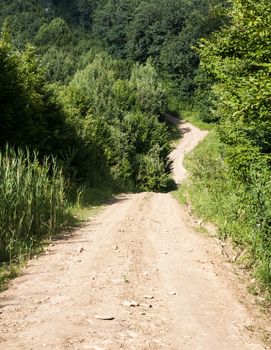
(135,277)
(191,136)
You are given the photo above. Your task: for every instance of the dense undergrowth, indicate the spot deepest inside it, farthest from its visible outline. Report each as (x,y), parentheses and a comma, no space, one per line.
(33,206)
(33,202)
(241,211)
(230,180)
(37,204)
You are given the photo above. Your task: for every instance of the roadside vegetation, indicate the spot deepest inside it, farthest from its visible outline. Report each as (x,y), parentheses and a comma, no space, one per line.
(83,90)
(32,208)
(230,182)
(84,87)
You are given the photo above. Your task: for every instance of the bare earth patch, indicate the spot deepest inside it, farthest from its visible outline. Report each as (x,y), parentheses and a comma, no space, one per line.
(135,277)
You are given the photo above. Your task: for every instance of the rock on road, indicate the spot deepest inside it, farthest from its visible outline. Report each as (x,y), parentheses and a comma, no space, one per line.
(135,277)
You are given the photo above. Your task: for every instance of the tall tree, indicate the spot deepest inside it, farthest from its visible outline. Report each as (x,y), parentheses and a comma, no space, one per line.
(239,57)
(110,24)
(29,113)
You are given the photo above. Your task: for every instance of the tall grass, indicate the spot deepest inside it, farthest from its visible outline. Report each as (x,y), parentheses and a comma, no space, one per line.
(32,201)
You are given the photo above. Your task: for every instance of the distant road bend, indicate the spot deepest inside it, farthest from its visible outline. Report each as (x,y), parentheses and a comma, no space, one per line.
(135,277)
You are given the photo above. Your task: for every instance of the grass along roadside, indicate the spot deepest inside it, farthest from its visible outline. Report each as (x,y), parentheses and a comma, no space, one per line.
(184,110)
(240,212)
(174,131)
(193,117)
(89,202)
(36,205)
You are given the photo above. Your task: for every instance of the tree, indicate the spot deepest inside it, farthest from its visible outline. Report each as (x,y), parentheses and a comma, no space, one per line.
(30,116)
(150,97)
(56,33)
(239,56)
(110,23)
(86,10)
(153,22)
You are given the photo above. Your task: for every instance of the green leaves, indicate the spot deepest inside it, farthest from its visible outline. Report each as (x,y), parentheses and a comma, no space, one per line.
(55,33)
(117,119)
(150,96)
(144,150)
(33,205)
(110,23)
(239,58)
(30,115)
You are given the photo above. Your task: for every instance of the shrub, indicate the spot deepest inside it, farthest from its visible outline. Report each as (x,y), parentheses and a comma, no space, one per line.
(240,209)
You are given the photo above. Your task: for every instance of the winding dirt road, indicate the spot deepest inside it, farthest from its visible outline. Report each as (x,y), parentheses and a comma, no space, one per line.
(135,277)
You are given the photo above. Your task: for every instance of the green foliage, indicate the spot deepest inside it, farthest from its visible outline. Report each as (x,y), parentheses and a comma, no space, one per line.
(86,134)
(204,98)
(55,33)
(90,90)
(29,113)
(150,95)
(144,151)
(239,58)
(208,173)
(33,202)
(163,30)
(110,115)
(124,94)
(194,116)
(241,210)
(235,61)
(134,29)
(155,26)
(23,18)
(86,10)
(110,23)
(59,64)
(76,12)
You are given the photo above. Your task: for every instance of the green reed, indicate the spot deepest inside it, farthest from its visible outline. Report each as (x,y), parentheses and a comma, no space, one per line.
(32,201)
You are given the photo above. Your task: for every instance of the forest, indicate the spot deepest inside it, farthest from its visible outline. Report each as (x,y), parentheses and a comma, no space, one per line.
(85,86)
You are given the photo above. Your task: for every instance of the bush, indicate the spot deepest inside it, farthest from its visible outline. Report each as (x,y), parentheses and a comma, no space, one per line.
(145,148)
(150,96)
(240,209)
(56,33)
(118,121)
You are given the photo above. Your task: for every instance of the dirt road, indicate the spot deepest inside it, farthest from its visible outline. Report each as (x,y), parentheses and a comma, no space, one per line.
(135,277)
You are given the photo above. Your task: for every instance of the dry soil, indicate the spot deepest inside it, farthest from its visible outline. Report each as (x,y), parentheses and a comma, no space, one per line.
(137,276)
